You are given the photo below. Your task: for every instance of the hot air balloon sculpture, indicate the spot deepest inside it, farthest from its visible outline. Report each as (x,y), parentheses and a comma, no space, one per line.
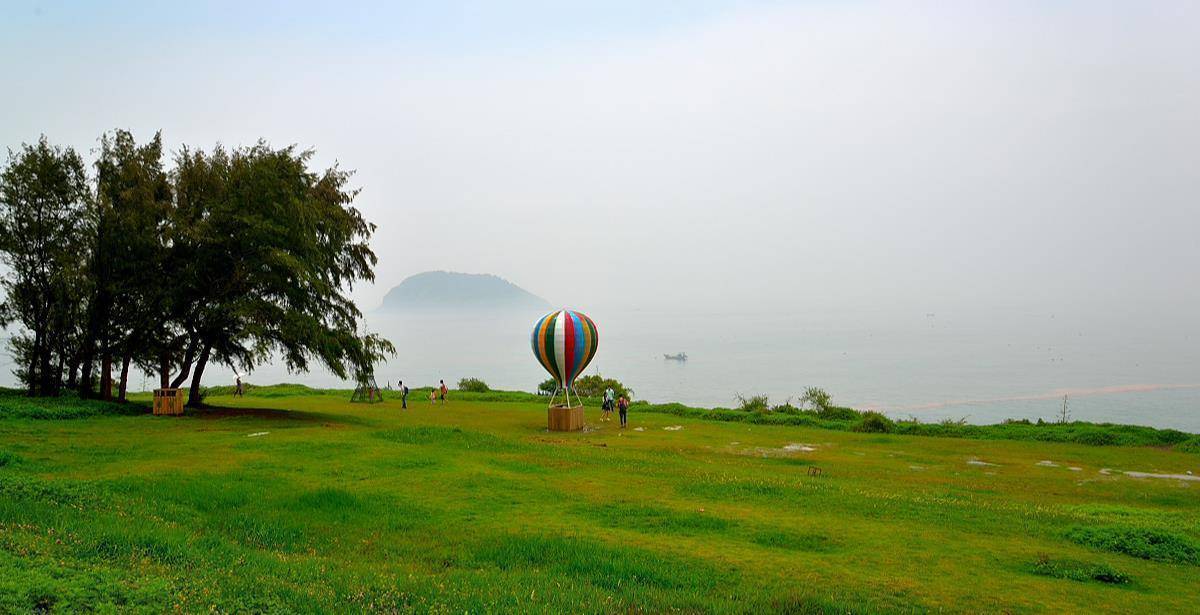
(564,342)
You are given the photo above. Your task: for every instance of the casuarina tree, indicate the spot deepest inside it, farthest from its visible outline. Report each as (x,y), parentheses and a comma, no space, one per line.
(269,248)
(43,224)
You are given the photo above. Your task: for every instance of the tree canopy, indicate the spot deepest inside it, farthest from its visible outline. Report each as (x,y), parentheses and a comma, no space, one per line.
(231,255)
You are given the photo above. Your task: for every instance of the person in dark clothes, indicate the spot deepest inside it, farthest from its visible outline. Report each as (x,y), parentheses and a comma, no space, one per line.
(403,395)
(623,407)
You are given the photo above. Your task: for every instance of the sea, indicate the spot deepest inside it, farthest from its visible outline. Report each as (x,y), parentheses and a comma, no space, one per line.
(981,367)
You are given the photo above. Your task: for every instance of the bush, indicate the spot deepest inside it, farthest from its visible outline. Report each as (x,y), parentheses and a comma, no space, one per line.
(1078,571)
(786,408)
(1144,543)
(473,385)
(874,422)
(836,413)
(815,398)
(594,386)
(760,404)
(1095,438)
(1191,445)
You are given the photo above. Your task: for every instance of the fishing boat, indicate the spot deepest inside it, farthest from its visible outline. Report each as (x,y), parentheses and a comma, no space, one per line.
(682,356)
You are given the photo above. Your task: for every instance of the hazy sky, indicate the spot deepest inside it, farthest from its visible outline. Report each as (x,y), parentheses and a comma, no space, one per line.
(769,154)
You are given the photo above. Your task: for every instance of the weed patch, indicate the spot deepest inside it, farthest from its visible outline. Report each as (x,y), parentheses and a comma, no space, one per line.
(792,541)
(603,566)
(446,437)
(1078,571)
(1144,543)
(655,518)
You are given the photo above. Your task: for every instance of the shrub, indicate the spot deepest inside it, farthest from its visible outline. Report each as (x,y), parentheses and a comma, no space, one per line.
(1078,571)
(473,385)
(1191,445)
(874,422)
(760,404)
(1144,543)
(837,413)
(594,386)
(786,408)
(1095,438)
(815,398)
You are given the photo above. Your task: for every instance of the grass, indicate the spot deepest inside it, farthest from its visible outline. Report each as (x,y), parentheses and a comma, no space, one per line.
(1146,543)
(15,404)
(294,500)
(1074,570)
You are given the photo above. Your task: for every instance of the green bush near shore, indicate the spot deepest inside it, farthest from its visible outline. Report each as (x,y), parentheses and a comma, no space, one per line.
(848,419)
(831,417)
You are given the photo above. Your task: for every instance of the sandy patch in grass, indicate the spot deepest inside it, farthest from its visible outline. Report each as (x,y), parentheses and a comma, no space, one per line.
(975,461)
(795,446)
(1169,476)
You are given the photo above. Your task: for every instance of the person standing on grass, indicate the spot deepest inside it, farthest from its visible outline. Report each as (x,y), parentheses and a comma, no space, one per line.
(623,406)
(432,395)
(443,390)
(609,401)
(403,395)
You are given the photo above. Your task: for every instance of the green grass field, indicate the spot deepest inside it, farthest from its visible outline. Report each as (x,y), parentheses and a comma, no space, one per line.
(302,502)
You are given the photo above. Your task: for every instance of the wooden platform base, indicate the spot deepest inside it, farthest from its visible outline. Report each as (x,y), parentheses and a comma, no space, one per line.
(559,418)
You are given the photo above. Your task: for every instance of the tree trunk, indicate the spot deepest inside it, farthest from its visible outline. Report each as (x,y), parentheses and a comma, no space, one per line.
(106,376)
(45,371)
(187,365)
(194,400)
(35,355)
(59,370)
(164,371)
(124,386)
(73,373)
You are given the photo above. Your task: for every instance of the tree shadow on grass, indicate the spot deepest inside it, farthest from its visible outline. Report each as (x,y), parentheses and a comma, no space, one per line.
(304,417)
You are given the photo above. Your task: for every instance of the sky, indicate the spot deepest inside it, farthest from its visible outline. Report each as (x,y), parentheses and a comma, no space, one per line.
(702,155)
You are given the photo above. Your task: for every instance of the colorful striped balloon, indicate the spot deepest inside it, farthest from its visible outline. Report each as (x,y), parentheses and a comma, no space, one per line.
(564,342)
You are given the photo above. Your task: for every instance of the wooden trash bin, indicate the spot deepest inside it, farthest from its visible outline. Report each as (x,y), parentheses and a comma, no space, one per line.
(168,401)
(562,418)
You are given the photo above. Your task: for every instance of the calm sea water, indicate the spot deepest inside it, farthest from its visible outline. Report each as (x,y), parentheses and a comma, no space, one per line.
(984,367)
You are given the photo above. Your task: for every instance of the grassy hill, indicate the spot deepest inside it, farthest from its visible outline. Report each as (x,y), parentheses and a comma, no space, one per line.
(298,501)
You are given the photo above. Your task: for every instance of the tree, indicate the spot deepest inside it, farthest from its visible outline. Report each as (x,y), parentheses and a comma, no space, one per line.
(267,250)
(816,398)
(129,310)
(43,226)
(594,385)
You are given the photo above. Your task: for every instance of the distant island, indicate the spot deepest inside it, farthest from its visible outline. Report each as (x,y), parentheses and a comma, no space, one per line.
(448,290)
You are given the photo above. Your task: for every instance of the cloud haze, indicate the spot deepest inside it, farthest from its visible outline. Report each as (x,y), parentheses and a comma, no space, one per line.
(776,154)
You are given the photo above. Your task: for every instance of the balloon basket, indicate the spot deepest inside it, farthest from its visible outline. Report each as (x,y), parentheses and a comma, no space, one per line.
(564,418)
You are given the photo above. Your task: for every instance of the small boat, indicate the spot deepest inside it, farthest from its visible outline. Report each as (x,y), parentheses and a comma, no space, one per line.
(676,357)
